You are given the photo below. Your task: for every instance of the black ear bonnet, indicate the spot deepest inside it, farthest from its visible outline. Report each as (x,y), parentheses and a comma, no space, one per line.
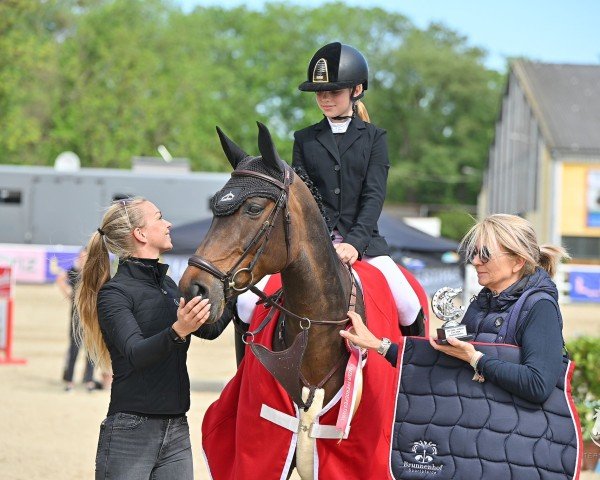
(239,188)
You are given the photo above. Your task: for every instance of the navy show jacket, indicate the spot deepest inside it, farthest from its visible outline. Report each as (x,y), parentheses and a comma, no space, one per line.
(350,177)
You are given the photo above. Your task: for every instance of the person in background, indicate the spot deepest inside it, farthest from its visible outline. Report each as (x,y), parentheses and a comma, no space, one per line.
(510,264)
(138,323)
(66,281)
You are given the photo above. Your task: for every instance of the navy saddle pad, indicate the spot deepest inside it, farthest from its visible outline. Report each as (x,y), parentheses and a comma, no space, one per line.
(448,426)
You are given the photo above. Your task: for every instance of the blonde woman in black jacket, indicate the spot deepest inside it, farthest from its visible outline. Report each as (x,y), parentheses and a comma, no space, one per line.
(137,323)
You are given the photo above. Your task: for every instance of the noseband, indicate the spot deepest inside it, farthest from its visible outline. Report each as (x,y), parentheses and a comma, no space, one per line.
(228,278)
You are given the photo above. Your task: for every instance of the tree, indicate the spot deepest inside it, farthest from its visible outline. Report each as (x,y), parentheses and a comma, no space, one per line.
(30,31)
(440,105)
(112,79)
(113,83)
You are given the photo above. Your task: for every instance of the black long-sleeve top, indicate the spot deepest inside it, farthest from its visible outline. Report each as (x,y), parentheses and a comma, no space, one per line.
(136,309)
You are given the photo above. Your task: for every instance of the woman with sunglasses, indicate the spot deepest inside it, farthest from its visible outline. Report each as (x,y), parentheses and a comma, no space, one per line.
(137,323)
(510,264)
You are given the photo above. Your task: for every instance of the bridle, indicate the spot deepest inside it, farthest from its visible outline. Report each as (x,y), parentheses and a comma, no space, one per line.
(229,278)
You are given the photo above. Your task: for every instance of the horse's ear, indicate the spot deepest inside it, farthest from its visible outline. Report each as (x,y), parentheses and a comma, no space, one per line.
(233,153)
(267,148)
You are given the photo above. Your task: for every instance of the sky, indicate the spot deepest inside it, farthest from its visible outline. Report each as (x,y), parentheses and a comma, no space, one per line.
(552,31)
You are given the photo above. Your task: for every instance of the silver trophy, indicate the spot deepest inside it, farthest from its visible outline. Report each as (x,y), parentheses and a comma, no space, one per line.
(444,308)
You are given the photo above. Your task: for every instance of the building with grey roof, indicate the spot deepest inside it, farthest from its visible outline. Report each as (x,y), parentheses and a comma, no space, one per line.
(544,163)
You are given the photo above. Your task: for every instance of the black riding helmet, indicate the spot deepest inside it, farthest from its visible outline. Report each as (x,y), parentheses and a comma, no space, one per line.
(334,67)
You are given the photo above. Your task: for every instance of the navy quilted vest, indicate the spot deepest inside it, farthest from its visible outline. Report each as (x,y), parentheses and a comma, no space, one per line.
(488,316)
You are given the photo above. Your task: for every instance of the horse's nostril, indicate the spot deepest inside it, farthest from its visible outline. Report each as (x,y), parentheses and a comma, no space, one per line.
(197,289)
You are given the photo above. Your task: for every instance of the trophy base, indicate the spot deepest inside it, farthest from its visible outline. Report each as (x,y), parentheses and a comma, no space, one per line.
(453,331)
(464,338)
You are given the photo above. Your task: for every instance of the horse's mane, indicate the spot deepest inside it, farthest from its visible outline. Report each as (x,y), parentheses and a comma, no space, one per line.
(313,190)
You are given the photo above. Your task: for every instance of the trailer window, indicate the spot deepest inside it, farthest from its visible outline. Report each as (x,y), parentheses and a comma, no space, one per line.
(10,196)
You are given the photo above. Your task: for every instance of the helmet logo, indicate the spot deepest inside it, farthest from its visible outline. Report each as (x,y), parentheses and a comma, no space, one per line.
(320,73)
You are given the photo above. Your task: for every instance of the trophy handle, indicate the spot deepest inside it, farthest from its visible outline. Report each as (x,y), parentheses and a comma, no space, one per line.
(442,304)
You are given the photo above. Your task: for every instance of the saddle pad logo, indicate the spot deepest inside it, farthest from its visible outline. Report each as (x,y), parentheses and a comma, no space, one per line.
(424,455)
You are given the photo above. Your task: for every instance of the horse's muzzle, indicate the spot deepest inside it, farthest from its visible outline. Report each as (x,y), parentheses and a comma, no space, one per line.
(205,286)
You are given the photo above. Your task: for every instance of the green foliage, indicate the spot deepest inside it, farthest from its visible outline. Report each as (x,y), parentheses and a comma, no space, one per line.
(110,79)
(441,107)
(585,384)
(455,223)
(29,77)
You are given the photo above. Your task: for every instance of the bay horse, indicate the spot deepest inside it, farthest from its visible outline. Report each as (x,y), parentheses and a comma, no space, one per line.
(287,235)
(267,221)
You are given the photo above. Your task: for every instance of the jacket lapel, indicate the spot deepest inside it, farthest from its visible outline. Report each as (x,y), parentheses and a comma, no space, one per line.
(325,138)
(355,130)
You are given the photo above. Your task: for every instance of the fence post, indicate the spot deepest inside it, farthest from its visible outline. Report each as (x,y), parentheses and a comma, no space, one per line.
(7,287)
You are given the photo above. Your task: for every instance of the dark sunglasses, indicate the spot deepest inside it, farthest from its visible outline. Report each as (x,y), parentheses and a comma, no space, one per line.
(124,202)
(483,253)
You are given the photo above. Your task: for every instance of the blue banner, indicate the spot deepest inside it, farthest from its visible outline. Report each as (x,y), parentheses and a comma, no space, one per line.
(585,286)
(58,260)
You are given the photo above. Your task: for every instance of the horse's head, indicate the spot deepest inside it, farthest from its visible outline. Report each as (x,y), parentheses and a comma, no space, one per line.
(251,233)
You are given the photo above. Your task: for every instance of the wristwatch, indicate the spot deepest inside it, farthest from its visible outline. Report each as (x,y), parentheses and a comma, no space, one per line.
(384,347)
(176,338)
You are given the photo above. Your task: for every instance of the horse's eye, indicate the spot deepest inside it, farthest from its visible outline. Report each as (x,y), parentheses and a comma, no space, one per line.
(254,209)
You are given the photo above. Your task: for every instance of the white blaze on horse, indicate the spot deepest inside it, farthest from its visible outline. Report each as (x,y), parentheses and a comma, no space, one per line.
(266,221)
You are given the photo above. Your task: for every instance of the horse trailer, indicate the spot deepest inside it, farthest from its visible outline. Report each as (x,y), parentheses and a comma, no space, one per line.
(47,206)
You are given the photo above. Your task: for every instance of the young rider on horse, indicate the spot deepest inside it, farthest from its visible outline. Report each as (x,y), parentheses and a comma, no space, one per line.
(346,158)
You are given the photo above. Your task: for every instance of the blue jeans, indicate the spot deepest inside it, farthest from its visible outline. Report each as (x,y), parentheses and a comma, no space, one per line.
(134,447)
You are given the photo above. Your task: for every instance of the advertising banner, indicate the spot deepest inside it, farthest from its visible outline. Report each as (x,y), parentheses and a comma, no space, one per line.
(58,260)
(28,262)
(593,198)
(585,286)
(38,263)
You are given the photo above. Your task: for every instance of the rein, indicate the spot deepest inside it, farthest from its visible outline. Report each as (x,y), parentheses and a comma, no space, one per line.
(312,388)
(274,301)
(285,364)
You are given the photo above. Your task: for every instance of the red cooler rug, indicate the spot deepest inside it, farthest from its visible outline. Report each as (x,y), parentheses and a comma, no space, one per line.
(239,443)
